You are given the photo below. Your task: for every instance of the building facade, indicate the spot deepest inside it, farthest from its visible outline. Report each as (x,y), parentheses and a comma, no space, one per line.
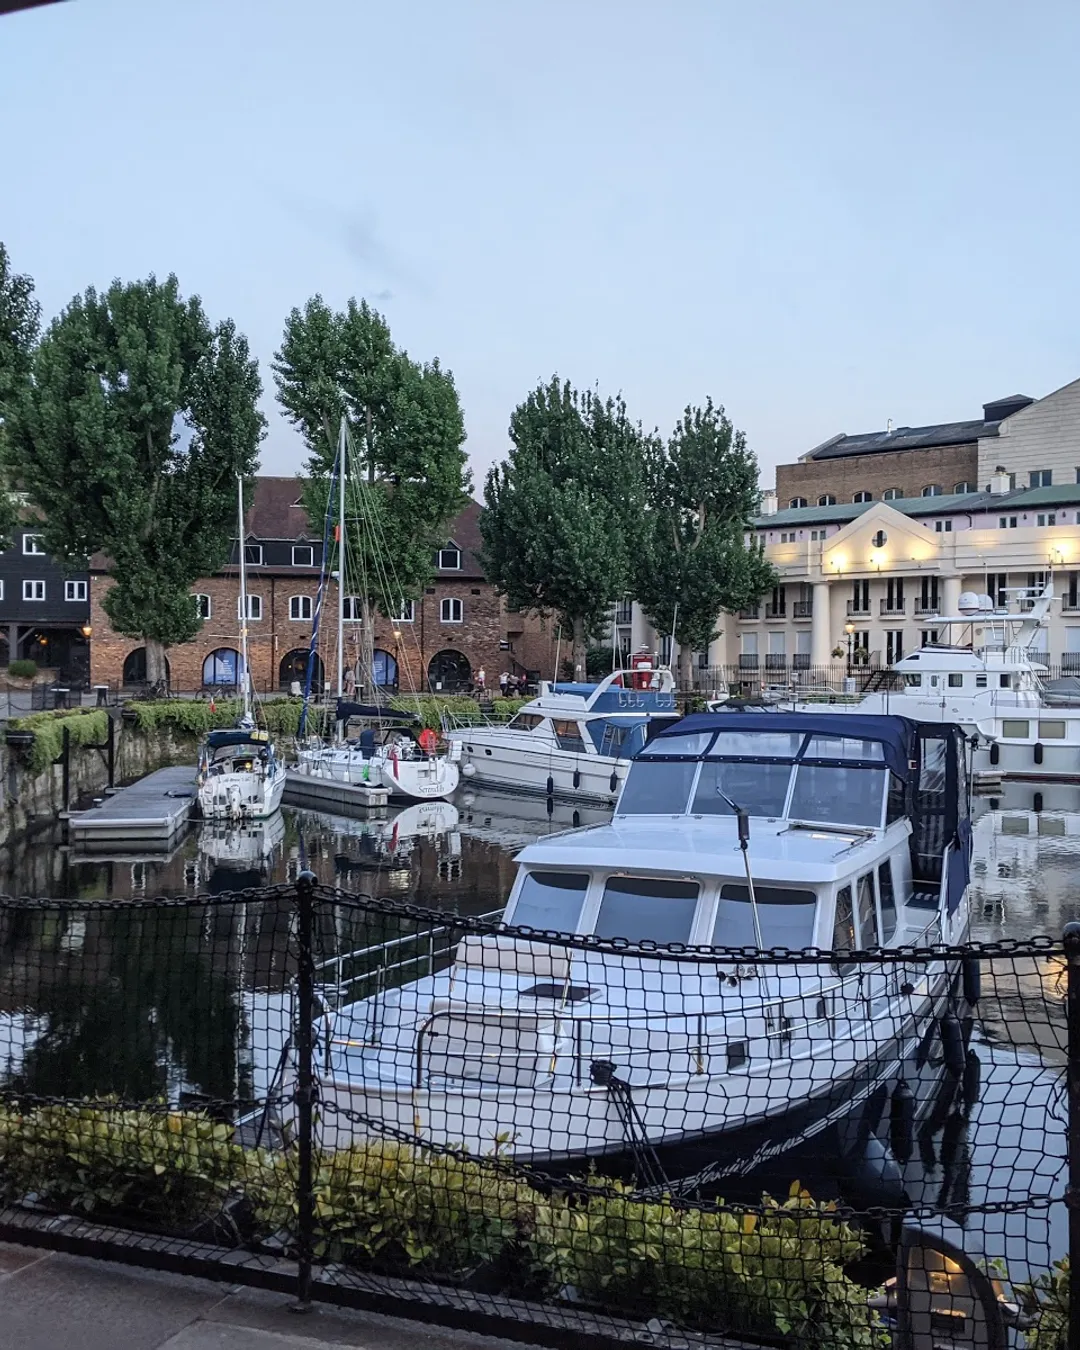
(44,609)
(440,641)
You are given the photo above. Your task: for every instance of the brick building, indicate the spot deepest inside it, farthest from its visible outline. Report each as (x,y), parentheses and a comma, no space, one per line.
(457,627)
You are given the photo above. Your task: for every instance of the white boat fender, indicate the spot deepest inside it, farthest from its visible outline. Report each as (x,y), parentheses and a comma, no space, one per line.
(468,769)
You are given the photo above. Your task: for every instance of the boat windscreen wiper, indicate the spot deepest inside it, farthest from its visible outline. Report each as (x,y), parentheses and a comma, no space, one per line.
(742,816)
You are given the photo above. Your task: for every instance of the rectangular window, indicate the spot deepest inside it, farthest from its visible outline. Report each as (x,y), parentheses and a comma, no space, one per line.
(303,555)
(1052,730)
(787,536)
(351,609)
(1046,518)
(1041,478)
(887,899)
(448,559)
(956,681)
(844,927)
(33,543)
(650,909)
(450,611)
(254,607)
(551,900)
(202,605)
(1007,522)
(253,555)
(406,612)
(1,589)
(74,590)
(568,736)
(980,681)
(786,917)
(33,590)
(867,912)
(894,645)
(943,526)
(996,584)
(816,535)
(1015,728)
(300,606)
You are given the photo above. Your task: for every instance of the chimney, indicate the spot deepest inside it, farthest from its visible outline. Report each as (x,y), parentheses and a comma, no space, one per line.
(999,483)
(768,502)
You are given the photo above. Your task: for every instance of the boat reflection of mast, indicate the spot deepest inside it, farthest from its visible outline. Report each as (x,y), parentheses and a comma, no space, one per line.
(743,818)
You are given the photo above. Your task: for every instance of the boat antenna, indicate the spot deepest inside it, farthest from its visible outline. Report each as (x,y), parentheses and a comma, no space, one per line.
(743,818)
(343,480)
(671,644)
(245,678)
(558,646)
(614,634)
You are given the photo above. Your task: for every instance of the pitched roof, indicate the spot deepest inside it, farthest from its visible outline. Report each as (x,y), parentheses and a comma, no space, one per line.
(275,512)
(465,532)
(952,503)
(905,438)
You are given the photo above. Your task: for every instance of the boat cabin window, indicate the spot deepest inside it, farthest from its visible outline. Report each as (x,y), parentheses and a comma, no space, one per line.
(759,744)
(568,736)
(1015,728)
(933,753)
(696,743)
(832,792)
(525,722)
(868,934)
(912,681)
(887,898)
(844,926)
(980,681)
(647,909)
(786,917)
(551,900)
(760,789)
(658,789)
(956,681)
(1052,731)
(1004,681)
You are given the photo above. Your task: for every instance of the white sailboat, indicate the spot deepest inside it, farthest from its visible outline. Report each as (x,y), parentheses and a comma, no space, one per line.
(240,776)
(387,751)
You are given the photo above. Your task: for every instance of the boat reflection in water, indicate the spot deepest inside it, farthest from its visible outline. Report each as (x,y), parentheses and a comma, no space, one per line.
(512,821)
(236,856)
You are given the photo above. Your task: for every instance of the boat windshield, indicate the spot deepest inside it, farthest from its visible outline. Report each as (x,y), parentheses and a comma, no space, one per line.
(550,900)
(786,917)
(647,909)
(820,779)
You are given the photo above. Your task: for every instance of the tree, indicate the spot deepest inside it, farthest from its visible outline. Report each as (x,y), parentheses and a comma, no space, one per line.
(129,437)
(408,478)
(694,561)
(564,511)
(20,317)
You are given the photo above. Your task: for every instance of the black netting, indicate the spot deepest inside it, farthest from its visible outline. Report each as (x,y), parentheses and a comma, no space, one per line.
(590,1136)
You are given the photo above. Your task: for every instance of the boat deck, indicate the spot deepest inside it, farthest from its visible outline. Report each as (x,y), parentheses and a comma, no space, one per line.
(154,811)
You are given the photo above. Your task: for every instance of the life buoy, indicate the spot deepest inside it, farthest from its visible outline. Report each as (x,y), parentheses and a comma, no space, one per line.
(428,741)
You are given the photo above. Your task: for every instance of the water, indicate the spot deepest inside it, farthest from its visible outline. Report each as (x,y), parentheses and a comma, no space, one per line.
(131,1024)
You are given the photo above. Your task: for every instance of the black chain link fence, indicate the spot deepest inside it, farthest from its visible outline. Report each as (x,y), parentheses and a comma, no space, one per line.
(571,1139)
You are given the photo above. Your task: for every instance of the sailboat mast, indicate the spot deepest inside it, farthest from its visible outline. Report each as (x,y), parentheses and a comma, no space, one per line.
(343,478)
(245,679)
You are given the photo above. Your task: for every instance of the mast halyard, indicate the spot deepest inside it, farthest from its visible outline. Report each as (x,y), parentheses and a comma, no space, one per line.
(245,675)
(343,479)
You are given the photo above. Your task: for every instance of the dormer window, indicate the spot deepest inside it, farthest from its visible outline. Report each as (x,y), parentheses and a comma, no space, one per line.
(799,502)
(33,543)
(933,490)
(826,499)
(862,497)
(892,495)
(253,555)
(448,559)
(303,555)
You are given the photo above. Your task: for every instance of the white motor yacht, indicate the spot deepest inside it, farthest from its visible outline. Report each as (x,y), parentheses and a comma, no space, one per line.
(574,741)
(653,998)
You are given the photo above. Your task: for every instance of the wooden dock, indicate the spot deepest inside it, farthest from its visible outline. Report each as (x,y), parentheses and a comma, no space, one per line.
(325,794)
(151,812)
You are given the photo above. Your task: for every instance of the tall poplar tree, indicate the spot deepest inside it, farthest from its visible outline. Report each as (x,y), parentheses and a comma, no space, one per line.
(695,561)
(564,512)
(408,470)
(129,435)
(20,317)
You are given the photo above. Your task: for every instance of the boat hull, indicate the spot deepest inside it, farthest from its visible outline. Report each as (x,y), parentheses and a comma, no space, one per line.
(502,759)
(241,796)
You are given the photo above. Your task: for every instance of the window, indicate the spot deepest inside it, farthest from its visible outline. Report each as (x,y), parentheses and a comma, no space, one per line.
(1015,728)
(787,536)
(551,900)
(1041,478)
(798,502)
(351,609)
(894,645)
(956,681)
(647,909)
(1046,518)
(525,722)
(202,606)
(253,555)
(450,611)
(1006,522)
(448,559)
(996,585)
(894,595)
(868,936)
(33,590)
(862,497)
(74,590)
(303,555)
(928,595)
(1,589)
(1052,730)
(760,788)
(254,607)
(32,543)
(844,925)
(932,490)
(406,612)
(943,526)
(657,789)
(892,495)
(300,606)
(826,499)
(887,901)
(831,793)
(815,535)
(624,611)
(786,917)
(568,736)
(965,487)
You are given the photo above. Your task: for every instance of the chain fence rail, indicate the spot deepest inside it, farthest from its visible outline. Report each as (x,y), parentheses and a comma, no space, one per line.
(567,1139)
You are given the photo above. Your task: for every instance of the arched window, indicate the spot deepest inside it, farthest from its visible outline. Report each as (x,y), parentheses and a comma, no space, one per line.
(222,666)
(932,490)
(862,497)
(293,667)
(385,669)
(826,499)
(134,672)
(797,502)
(449,671)
(965,487)
(892,495)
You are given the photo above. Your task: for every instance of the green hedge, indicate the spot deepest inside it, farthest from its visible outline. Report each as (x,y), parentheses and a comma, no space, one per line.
(22,670)
(777,1270)
(85,728)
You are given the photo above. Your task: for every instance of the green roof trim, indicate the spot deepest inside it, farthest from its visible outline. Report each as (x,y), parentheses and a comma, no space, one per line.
(949,504)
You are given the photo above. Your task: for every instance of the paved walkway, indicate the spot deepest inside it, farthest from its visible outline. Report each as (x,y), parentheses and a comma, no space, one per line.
(49,1301)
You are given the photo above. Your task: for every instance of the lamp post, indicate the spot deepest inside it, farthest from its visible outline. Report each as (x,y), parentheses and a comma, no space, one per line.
(849,629)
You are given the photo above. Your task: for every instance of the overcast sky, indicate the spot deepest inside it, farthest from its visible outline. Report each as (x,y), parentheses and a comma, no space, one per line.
(822,214)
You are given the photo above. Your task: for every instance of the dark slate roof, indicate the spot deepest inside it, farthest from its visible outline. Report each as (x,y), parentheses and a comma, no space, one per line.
(465,533)
(906,438)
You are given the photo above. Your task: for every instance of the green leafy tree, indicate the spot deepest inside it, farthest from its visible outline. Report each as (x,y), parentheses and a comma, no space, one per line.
(20,317)
(407,476)
(129,437)
(694,561)
(564,512)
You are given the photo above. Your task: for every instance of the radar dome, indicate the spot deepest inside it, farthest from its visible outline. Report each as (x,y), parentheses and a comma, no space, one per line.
(969,603)
(986,603)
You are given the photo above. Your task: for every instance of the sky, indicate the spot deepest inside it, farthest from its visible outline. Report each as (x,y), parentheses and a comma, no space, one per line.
(822,215)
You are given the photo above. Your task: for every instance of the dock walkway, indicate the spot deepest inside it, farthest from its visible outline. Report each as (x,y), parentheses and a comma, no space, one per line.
(152,811)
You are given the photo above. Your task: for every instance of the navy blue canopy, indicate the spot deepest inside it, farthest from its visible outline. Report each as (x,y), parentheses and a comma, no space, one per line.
(347,711)
(218,740)
(896,735)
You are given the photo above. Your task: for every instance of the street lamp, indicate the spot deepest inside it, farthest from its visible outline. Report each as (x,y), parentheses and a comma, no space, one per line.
(849,629)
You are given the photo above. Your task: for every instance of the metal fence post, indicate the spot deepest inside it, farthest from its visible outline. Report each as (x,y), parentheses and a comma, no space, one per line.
(305,1089)
(1072,1193)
